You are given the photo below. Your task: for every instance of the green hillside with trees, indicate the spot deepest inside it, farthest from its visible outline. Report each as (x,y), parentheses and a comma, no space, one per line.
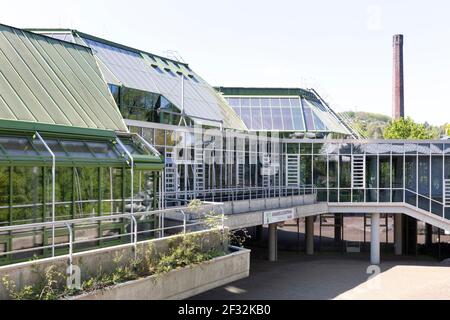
(374,126)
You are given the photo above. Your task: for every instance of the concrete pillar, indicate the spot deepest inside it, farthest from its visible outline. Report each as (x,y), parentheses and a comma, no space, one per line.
(375,239)
(338,222)
(398,234)
(428,236)
(273,242)
(309,235)
(409,235)
(260,235)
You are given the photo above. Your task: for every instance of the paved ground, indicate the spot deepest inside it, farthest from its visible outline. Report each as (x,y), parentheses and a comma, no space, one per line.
(326,277)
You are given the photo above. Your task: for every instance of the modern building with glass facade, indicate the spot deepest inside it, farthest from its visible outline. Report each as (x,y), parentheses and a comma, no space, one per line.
(293,112)
(224,145)
(65,151)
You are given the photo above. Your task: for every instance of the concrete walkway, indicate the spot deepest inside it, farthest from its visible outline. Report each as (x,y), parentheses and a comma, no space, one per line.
(327,277)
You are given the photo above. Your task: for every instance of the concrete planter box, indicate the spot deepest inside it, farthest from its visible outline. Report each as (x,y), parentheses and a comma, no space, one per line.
(181,283)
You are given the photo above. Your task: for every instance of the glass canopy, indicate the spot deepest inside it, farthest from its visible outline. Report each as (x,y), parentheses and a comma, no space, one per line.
(284,114)
(31,150)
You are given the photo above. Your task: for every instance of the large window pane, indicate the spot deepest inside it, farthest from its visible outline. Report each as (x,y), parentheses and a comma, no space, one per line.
(306,170)
(333,171)
(345,172)
(320,171)
(111,191)
(411,173)
(63,193)
(397,172)
(27,195)
(371,172)
(424,175)
(385,172)
(4,196)
(436,178)
(86,192)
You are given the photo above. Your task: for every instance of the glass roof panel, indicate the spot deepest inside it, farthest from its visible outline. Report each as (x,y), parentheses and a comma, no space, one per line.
(102,150)
(54,145)
(287,118)
(256,119)
(267,118)
(234,102)
(128,67)
(320,126)
(237,110)
(246,117)
(298,119)
(15,146)
(308,116)
(265,102)
(324,120)
(277,120)
(295,102)
(285,102)
(275,102)
(76,149)
(256,103)
(138,70)
(245,102)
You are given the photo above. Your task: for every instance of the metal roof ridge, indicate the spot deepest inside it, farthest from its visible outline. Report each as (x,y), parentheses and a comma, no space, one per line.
(122,46)
(31,31)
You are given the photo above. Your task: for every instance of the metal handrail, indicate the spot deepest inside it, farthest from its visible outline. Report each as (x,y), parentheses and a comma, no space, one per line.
(69,225)
(53,187)
(148,145)
(426,197)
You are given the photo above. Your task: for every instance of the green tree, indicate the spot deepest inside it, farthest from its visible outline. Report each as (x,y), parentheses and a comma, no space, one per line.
(408,129)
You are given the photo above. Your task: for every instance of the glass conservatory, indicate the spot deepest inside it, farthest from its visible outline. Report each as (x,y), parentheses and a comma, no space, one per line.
(50,176)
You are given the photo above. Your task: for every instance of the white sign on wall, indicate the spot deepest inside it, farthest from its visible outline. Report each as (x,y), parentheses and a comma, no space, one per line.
(277,216)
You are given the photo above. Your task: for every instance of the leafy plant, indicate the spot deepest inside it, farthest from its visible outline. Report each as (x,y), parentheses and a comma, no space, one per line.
(47,288)
(408,129)
(187,250)
(186,253)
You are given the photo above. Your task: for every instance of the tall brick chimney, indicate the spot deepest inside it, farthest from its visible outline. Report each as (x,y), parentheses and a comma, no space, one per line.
(398,106)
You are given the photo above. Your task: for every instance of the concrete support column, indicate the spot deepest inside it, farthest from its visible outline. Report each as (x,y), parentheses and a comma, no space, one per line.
(398,234)
(338,222)
(260,235)
(428,236)
(273,242)
(309,235)
(409,235)
(375,239)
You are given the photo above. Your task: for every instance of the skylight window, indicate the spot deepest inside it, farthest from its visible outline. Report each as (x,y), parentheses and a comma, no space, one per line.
(170,72)
(194,78)
(157,69)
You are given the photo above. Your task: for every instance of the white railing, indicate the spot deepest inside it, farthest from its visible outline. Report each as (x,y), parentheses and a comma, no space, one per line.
(134,233)
(241,193)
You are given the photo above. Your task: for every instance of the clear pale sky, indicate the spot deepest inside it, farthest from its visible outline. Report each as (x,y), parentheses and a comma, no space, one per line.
(342,48)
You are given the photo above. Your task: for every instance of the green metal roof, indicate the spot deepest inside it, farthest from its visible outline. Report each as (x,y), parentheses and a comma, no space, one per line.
(48,81)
